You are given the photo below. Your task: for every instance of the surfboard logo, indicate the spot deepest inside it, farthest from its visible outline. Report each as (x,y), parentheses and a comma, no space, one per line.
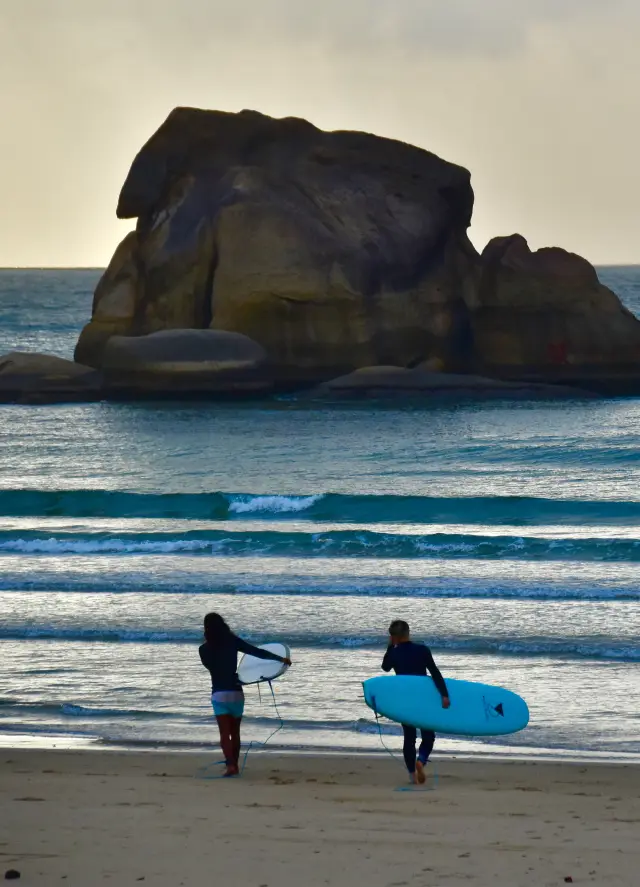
(493,711)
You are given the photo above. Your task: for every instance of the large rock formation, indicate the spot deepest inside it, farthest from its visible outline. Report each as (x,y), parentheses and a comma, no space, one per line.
(332,250)
(336,251)
(30,377)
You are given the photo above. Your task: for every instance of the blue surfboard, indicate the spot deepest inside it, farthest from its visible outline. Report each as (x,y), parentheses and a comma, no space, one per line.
(476,709)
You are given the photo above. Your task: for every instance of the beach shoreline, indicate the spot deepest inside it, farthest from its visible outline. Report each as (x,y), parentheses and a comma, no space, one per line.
(111,816)
(529,754)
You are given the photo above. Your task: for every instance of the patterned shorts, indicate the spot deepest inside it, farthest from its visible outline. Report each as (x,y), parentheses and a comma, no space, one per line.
(228,702)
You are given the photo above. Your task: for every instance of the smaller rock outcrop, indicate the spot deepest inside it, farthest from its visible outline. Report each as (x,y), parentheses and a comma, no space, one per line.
(545,316)
(195,361)
(394,382)
(42,378)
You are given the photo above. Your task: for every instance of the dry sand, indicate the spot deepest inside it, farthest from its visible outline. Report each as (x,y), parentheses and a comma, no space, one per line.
(94,817)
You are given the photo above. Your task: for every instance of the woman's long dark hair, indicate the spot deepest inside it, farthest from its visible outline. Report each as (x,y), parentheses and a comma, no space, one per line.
(216,630)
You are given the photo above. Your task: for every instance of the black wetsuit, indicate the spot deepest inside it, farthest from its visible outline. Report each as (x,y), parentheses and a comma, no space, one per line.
(410,658)
(222,661)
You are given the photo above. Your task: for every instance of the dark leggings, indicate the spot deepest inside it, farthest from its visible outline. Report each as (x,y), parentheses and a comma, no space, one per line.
(428,737)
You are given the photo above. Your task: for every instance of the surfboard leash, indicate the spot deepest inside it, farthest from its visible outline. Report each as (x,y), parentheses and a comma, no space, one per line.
(202,772)
(271,735)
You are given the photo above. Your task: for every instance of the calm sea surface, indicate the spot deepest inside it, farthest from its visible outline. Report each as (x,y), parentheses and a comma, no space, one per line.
(508,535)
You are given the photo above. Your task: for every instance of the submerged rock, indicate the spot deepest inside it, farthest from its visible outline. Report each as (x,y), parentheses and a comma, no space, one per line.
(32,377)
(186,360)
(394,382)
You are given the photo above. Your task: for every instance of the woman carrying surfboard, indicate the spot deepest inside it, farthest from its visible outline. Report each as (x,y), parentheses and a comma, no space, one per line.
(405,657)
(219,654)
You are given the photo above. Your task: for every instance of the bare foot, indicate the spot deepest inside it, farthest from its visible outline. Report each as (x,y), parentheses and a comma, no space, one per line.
(420,774)
(231,771)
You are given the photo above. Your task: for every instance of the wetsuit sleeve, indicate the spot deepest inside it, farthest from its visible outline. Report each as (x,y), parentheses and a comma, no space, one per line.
(434,671)
(387,664)
(203,655)
(244,647)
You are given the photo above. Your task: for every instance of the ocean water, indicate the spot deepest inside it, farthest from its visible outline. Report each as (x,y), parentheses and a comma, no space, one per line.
(508,535)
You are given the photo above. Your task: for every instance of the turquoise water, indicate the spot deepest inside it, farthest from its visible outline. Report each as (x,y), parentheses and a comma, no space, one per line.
(507,534)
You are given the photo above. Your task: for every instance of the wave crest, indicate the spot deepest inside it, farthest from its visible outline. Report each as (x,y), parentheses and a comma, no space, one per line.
(325,506)
(271,504)
(623,650)
(330,544)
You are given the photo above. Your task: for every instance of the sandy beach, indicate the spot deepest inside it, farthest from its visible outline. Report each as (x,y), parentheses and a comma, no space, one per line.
(92,817)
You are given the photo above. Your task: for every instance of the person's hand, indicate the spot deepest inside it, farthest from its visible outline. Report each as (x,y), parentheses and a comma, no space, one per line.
(286,660)
(446,702)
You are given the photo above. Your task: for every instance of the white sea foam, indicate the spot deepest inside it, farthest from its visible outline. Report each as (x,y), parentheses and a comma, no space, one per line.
(271,504)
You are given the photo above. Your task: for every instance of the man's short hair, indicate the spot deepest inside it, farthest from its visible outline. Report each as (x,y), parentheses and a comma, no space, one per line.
(399,628)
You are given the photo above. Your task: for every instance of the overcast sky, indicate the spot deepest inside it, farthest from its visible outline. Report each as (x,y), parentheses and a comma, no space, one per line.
(540,99)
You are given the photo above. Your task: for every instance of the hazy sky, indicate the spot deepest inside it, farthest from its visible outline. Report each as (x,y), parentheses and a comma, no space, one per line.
(540,99)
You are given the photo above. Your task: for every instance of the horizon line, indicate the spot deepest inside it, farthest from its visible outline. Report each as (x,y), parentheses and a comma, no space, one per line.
(634,264)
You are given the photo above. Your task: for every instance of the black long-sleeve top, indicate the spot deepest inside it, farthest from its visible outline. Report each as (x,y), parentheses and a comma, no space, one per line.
(222,661)
(410,658)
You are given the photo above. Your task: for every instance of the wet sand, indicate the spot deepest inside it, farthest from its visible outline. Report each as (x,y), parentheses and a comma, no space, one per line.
(93,817)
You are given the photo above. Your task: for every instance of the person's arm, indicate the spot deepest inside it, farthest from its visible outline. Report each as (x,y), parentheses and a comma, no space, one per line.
(387,665)
(244,647)
(438,680)
(203,655)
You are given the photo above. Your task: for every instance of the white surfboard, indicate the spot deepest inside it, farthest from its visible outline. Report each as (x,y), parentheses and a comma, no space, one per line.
(253,670)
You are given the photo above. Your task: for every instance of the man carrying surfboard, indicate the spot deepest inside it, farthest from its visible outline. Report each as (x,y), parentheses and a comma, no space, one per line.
(404,657)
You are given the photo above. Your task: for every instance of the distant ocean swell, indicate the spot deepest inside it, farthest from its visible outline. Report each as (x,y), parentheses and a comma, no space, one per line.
(72,710)
(311,586)
(337,543)
(626,649)
(329,507)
